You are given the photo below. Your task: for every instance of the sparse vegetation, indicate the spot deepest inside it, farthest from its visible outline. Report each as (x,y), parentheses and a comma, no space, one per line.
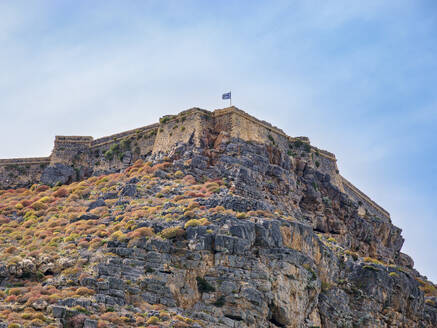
(173,232)
(203,286)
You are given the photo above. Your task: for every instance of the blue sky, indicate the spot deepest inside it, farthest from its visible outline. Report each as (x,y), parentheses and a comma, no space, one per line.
(357,77)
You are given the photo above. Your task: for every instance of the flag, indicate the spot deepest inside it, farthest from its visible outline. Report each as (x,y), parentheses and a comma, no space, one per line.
(227,95)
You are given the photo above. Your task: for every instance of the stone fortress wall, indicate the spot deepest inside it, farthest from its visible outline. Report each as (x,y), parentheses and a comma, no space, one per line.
(22,171)
(366,204)
(117,151)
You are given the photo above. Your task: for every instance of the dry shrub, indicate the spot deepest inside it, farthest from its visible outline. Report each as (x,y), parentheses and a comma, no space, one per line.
(118,235)
(189,180)
(111,317)
(26,202)
(102,324)
(4,219)
(84,291)
(103,233)
(16,291)
(241,215)
(37,206)
(138,163)
(83,244)
(195,222)
(101,211)
(173,232)
(46,199)
(427,287)
(61,193)
(11,250)
(140,321)
(178,174)
(142,232)
(42,188)
(136,214)
(189,214)
(11,299)
(192,205)
(161,166)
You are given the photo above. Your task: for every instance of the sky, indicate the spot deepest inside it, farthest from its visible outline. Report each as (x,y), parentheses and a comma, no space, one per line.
(359,78)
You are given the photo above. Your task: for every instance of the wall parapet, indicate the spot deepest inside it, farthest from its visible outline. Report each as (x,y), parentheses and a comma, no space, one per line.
(24,161)
(364,198)
(235,110)
(114,137)
(324,153)
(73,139)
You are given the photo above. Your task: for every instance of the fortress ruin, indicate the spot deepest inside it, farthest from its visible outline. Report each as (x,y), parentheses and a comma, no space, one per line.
(88,156)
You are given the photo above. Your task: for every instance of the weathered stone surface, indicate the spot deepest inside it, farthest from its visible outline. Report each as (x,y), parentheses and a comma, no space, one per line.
(95,204)
(129,190)
(58,174)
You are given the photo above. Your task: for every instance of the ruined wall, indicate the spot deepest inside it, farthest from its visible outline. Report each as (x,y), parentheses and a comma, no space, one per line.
(326,162)
(195,126)
(188,127)
(243,126)
(120,150)
(21,172)
(71,150)
(364,201)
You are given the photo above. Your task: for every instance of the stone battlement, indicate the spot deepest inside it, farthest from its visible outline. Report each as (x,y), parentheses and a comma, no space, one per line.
(235,111)
(77,139)
(192,126)
(117,136)
(24,161)
(363,200)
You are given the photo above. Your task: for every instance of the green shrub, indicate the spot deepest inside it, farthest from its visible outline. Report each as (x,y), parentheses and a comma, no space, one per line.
(298,143)
(203,286)
(165,119)
(109,155)
(326,286)
(125,144)
(220,301)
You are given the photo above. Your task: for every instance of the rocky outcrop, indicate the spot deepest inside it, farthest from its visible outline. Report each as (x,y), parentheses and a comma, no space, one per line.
(220,232)
(58,174)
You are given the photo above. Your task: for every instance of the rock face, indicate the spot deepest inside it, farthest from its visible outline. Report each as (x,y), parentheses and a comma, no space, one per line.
(225,233)
(58,174)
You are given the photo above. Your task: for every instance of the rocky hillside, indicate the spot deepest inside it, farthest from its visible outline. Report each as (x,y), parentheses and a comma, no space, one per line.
(239,234)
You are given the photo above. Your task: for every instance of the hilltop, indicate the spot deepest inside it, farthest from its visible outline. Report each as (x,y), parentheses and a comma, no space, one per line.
(205,219)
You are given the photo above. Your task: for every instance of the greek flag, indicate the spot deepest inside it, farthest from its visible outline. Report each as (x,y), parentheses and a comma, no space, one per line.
(226,95)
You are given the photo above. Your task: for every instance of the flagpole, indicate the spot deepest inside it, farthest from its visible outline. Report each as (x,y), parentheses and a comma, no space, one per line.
(230,98)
